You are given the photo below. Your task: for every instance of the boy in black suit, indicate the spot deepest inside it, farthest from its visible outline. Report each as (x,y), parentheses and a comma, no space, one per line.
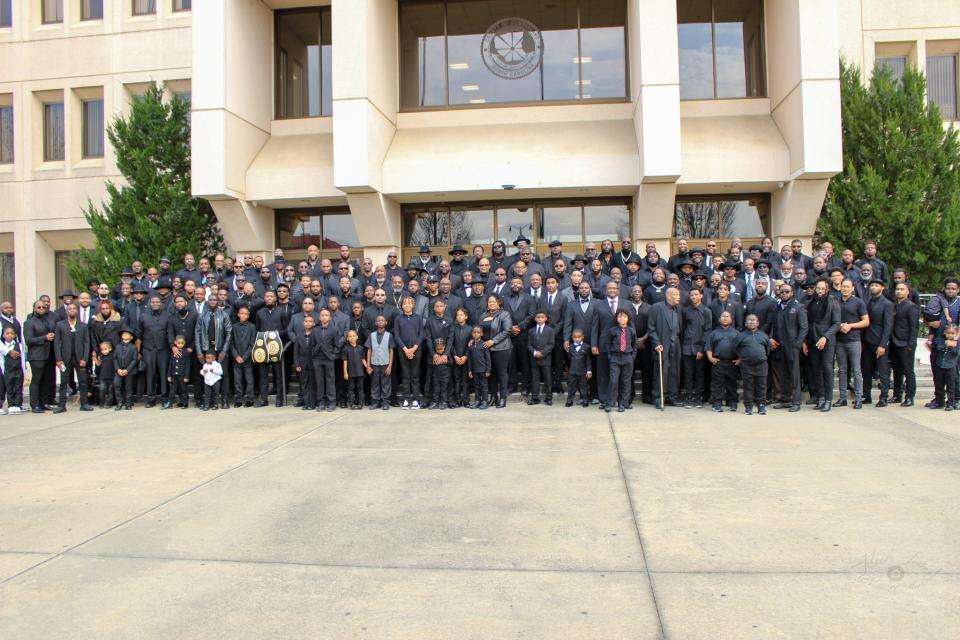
(540,343)
(580,369)
(478,358)
(127,362)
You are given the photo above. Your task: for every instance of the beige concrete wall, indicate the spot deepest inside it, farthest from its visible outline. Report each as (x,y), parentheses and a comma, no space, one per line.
(41,203)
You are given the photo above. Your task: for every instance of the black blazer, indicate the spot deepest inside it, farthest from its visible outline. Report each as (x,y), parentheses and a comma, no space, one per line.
(72,345)
(542,342)
(790,327)
(577,319)
(606,319)
(35,331)
(881,315)
(612,340)
(521,309)
(664,325)
(556,311)
(580,361)
(906,318)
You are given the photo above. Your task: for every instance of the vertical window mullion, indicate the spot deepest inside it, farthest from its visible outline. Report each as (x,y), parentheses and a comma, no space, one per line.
(579,55)
(446,56)
(713,44)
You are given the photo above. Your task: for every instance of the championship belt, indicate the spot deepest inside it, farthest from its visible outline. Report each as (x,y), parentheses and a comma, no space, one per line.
(267,347)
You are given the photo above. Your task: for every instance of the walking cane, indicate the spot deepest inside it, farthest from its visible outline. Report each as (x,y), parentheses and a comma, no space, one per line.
(662,402)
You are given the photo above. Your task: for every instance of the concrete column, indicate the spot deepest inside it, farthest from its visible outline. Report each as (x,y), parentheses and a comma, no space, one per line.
(653,206)
(246,228)
(795,209)
(35,268)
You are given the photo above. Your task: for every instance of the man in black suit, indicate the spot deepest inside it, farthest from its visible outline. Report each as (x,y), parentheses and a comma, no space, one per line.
(606,320)
(903,344)
(663,331)
(789,331)
(540,344)
(823,317)
(72,351)
(521,307)
(555,306)
(876,342)
(38,335)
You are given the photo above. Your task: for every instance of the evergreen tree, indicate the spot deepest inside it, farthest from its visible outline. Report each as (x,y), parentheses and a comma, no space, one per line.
(153,214)
(900,185)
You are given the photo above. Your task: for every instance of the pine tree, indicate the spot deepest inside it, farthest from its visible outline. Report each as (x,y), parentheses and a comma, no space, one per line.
(900,185)
(153,214)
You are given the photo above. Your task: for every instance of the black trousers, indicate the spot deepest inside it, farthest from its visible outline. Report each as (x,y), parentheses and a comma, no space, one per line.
(621,378)
(754,376)
(308,390)
(558,360)
(123,387)
(211,393)
(500,363)
(602,374)
(870,363)
(409,376)
(380,384)
(578,382)
(243,380)
(903,361)
(938,382)
(644,364)
(265,369)
(440,383)
(354,393)
(156,364)
(820,371)
(11,386)
(107,395)
(40,370)
(179,390)
(693,376)
(460,391)
(520,356)
(71,367)
(49,389)
(323,376)
(670,375)
(786,370)
(723,383)
(949,389)
(480,387)
(541,371)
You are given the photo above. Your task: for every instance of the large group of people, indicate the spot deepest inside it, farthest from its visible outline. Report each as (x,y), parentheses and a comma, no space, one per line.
(700,327)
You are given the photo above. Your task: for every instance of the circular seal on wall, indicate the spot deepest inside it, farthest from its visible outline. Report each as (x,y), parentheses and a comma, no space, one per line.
(512,48)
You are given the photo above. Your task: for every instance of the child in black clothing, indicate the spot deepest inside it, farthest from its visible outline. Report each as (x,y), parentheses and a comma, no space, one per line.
(11,382)
(459,341)
(354,363)
(580,369)
(241,350)
(441,374)
(127,361)
(107,371)
(178,376)
(947,355)
(479,367)
(622,348)
(753,349)
(380,364)
(303,363)
(325,346)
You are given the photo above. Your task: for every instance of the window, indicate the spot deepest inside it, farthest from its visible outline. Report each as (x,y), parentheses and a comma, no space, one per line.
(896,65)
(53,132)
(8,289)
(6,134)
(721,49)
(304,79)
(469,224)
(328,229)
(6,13)
(51,11)
(942,84)
(62,279)
(91,9)
(470,52)
(93,128)
(721,217)
(144,7)
(182,5)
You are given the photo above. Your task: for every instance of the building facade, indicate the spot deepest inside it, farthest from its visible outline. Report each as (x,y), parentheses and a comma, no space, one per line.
(387,124)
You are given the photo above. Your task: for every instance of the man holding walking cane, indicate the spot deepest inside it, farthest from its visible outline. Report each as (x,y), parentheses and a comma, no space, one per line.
(663,332)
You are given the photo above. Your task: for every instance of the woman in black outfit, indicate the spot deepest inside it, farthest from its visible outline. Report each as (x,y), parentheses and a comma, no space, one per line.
(496,325)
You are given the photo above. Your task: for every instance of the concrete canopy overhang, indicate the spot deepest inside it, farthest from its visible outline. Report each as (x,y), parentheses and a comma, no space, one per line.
(294,170)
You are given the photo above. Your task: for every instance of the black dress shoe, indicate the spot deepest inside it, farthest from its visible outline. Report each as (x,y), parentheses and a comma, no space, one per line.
(782,405)
(882,402)
(260,403)
(794,408)
(842,402)
(239,403)
(533,401)
(933,404)
(248,403)
(825,407)
(858,405)
(502,403)
(151,403)
(568,403)
(813,400)
(907,403)
(60,409)
(86,407)
(36,410)
(548,402)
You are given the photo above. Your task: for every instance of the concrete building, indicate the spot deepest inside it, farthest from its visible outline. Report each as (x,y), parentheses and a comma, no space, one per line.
(386,124)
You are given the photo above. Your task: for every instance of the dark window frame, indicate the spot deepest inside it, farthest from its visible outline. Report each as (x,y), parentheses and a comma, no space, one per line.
(10,144)
(955,113)
(149,10)
(319,212)
(48,144)
(765,210)
(87,136)
(181,6)
(281,57)
(57,18)
(763,90)
(521,103)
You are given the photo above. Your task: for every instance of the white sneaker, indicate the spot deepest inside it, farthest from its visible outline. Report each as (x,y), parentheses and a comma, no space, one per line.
(416,405)
(14,411)
(3,411)
(406,405)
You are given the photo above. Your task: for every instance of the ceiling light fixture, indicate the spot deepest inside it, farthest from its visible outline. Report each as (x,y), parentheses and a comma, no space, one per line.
(470,87)
(460,66)
(478,101)
(583,83)
(583,60)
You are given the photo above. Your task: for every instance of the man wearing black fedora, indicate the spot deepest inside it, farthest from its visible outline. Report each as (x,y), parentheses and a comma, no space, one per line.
(457,263)
(424,260)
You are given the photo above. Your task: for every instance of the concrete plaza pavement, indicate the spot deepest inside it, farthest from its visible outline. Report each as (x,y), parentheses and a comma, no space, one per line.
(538,522)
